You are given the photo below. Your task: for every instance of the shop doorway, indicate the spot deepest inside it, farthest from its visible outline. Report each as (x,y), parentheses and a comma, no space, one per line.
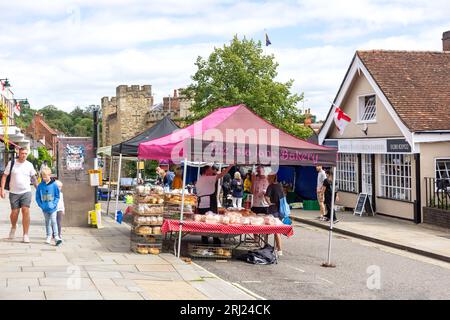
(367,175)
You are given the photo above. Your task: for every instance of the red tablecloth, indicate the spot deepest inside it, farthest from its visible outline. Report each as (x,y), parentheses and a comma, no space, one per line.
(193,226)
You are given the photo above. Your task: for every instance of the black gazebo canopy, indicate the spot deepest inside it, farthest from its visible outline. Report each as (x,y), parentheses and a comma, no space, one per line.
(129,148)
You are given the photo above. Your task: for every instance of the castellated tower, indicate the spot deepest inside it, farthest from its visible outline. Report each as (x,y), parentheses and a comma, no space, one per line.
(124,116)
(133,103)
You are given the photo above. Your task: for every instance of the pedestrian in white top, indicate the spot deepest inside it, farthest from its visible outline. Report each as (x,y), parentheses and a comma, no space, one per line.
(22,175)
(321,177)
(61,209)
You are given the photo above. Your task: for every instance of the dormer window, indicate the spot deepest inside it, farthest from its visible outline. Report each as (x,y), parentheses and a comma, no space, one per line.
(367,109)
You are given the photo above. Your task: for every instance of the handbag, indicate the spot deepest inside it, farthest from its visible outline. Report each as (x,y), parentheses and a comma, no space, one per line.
(8,178)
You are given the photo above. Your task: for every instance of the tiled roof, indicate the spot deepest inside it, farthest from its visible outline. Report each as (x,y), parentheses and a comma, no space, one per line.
(417,85)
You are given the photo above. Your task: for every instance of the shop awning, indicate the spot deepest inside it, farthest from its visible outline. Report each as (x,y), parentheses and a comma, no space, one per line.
(236,135)
(11,144)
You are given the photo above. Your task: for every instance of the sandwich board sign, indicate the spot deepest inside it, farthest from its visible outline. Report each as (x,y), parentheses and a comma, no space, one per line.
(363,205)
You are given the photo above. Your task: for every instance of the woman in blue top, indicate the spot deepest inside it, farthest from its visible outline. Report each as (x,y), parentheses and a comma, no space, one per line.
(237,189)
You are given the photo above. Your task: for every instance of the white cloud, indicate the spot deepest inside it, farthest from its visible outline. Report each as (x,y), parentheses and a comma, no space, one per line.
(74,52)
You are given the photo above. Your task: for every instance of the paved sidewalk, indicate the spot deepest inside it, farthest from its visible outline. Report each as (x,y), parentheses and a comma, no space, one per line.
(422,239)
(97,264)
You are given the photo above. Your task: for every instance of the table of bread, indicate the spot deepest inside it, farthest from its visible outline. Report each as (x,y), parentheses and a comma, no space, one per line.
(151,206)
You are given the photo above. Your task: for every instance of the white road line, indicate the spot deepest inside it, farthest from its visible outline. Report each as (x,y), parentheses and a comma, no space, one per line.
(251,281)
(325,280)
(248,291)
(298,269)
(237,285)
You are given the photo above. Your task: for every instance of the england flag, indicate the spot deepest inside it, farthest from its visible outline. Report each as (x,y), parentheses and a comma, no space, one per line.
(341,120)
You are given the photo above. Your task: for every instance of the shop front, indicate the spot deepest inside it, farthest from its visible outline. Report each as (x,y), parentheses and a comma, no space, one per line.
(396,145)
(385,169)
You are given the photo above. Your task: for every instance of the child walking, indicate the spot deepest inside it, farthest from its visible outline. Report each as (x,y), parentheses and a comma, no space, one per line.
(61,209)
(47,198)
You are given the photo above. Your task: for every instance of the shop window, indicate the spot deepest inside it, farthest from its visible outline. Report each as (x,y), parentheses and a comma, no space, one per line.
(367,109)
(346,171)
(395,174)
(443,168)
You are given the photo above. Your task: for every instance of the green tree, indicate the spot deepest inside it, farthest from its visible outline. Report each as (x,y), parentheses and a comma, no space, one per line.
(241,73)
(44,155)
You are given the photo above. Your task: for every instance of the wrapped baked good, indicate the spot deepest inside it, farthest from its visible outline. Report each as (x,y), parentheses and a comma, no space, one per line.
(198,217)
(153,251)
(142,250)
(235,219)
(140,189)
(226,253)
(144,230)
(210,218)
(245,221)
(257,221)
(160,220)
(226,220)
(220,252)
(153,220)
(156,230)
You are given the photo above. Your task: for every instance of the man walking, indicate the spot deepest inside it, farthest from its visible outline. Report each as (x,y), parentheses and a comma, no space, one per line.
(321,177)
(22,175)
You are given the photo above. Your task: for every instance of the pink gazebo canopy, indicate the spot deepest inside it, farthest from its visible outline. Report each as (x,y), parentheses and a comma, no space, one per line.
(232,134)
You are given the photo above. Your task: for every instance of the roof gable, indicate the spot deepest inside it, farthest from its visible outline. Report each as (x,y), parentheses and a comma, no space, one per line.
(417,85)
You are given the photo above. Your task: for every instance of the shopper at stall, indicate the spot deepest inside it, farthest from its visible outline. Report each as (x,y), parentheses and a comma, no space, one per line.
(22,175)
(237,188)
(273,195)
(226,189)
(321,177)
(259,187)
(206,193)
(178,179)
(328,196)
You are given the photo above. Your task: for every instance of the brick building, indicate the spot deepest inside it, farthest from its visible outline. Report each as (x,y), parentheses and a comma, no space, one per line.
(41,132)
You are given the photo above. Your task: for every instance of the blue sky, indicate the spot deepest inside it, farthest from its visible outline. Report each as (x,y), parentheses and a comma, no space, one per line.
(70,53)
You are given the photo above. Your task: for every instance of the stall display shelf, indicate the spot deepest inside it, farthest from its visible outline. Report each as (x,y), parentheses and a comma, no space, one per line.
(146,248)
(210,251)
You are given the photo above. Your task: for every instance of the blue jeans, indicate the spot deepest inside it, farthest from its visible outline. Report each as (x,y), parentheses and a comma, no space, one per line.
(51,223)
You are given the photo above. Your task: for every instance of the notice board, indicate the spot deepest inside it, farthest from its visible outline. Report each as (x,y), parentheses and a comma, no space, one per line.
(75,156)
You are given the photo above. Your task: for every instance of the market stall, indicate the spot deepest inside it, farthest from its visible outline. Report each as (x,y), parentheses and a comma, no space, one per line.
(128,150)
(234,135)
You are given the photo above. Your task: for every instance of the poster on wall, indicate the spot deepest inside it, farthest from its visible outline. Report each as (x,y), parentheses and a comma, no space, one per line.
(75,156)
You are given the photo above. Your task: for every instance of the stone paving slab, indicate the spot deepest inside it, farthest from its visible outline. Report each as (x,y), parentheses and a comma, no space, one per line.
(73,295)
(174,290)
(116,295)
(19,275)
(102,260)
(22,296)
(23,282)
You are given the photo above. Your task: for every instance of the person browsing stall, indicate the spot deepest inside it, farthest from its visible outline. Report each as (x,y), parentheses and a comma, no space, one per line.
(259,187)
(273,195)
(206,192)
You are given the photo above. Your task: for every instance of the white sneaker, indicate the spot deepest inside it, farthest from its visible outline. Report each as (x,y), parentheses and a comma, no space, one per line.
(280,253)
(26,239)
(58,241)
(12,234)
(49,240)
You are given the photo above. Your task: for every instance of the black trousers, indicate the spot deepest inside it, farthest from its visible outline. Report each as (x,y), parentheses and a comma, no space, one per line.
(328,208)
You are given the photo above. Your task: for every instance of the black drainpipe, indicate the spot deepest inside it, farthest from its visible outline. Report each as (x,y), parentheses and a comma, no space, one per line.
(418,202)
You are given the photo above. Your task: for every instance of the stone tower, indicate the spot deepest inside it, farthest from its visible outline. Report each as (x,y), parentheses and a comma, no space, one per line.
(124,116)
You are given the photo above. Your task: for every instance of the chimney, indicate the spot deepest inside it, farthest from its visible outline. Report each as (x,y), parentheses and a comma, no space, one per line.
(175,93)
(446,41)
